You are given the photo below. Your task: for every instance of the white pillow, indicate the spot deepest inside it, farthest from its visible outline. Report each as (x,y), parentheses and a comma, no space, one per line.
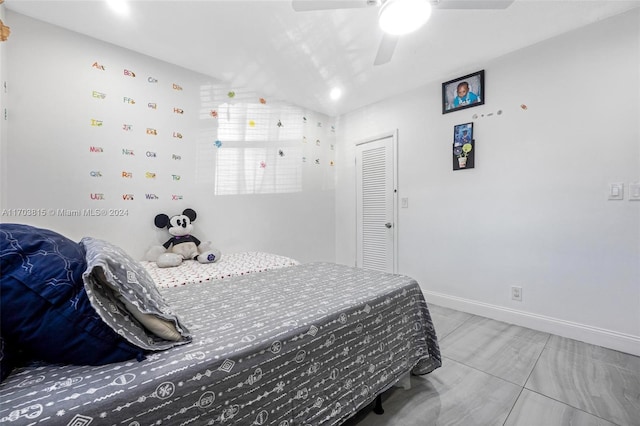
(168,260)
(160,327)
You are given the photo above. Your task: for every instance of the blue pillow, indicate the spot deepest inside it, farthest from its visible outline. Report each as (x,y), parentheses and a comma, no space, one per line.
(45,313)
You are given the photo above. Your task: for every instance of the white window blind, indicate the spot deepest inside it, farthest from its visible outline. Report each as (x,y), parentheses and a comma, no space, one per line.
(260,150)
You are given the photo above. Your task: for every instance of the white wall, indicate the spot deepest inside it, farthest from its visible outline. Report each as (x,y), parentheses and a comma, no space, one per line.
(534,211)
(46,147)
(3,127)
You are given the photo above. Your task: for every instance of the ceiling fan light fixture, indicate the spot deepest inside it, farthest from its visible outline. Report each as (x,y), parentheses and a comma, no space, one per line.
(398,17)
(121,7)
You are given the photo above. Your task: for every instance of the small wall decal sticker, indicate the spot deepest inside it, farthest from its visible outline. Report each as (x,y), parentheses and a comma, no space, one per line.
(127,127)
(152,131)
(252,123)
(151,154)
(128,100)
(5,31)
(177,135)
(176,157)
(178,111)
(129,73)
(150,175)
(218,144)
(151,197)
(175,197)
(280,124)
(98,66)
(98,95)
(281,153)
(176,86)
(127,175)
(95,173)
(263,165)
(96,123)
(152,105)
(96,149)
(231,94)
(127,197)
(126,151)
(152,80)
(214,113)
(175,177)
(263,101)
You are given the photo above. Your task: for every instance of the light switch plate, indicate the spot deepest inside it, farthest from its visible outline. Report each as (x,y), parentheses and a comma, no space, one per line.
(616,191)
(634,191)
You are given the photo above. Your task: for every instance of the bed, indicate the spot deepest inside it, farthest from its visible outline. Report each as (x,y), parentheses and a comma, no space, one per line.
(309,344)
(230,265)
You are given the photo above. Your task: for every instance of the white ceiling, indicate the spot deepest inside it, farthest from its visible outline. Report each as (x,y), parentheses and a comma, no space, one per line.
(299,56)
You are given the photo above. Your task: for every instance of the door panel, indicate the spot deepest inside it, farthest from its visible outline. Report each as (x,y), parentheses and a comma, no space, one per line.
(375,205)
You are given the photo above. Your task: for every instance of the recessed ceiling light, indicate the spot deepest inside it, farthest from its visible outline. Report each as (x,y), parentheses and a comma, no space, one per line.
(335,93)
(121,7)
(399,17)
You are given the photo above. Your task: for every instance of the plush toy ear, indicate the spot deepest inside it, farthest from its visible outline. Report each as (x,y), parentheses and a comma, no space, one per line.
(190,213)
(161,220)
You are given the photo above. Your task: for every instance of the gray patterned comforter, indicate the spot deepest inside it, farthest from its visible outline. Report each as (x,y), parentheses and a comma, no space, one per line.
(306,345)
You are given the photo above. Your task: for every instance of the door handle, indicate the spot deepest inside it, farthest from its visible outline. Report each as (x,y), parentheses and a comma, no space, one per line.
(388,225)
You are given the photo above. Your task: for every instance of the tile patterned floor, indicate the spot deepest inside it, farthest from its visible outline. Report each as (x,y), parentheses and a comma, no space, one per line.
(495,373)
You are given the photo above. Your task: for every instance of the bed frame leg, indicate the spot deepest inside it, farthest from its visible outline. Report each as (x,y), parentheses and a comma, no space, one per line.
(378,407)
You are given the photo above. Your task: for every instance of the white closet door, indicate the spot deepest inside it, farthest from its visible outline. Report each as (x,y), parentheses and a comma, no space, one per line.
(375,205)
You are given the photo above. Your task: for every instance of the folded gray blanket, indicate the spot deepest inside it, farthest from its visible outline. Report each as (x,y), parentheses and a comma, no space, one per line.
(126,298)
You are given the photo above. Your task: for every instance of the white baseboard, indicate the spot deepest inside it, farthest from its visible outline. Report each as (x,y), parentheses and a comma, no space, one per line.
(585,333)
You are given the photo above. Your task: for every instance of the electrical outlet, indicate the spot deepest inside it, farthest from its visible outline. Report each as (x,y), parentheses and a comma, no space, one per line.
(634,191)
(516,293)
(616,191)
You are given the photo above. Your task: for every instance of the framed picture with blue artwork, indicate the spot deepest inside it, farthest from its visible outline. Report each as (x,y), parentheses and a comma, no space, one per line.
(463,147)
(463,92)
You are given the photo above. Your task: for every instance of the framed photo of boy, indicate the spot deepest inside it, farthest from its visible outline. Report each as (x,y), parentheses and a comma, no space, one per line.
(463,92)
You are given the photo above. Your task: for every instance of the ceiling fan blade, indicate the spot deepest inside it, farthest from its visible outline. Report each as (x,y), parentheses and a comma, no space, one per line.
(386,49)
(473,4)
(309,5)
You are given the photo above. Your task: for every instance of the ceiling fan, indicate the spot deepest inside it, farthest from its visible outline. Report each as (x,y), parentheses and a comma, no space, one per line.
(391,35)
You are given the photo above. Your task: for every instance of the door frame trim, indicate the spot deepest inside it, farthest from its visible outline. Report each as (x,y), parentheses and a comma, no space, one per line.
(394,150)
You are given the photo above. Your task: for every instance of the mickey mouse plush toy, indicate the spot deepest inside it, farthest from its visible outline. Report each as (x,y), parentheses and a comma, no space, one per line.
(182,245)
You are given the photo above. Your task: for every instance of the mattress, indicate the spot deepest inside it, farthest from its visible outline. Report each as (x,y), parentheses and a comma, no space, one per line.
(310,344)
(231,265)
